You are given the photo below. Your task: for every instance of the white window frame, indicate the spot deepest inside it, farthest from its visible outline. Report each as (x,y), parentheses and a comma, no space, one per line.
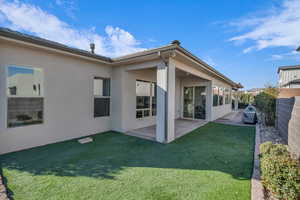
(152,94)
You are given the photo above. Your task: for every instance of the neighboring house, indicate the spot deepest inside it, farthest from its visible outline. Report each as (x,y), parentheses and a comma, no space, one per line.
(289,76)
(254,91)
(50,92)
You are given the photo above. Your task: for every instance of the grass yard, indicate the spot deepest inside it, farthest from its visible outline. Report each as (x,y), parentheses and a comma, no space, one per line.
(212,162)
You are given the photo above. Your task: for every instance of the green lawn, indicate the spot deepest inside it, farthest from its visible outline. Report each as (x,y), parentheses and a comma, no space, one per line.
(213,162)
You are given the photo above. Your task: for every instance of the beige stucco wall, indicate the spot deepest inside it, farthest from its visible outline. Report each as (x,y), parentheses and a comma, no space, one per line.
(68,92)
(68,103)
(220,111)
(124,95)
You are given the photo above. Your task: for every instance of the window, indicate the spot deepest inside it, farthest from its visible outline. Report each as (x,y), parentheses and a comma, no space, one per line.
(101,97)
(227,96)
(145,99)
(215,96)
(153,88)
(221,96)
(25,102)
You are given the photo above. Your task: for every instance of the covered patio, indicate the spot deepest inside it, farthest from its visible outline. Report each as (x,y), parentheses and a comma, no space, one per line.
(172,99)
(182,127)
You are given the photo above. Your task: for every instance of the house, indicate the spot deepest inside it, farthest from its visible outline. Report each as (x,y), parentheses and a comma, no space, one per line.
(289,76)
(50,92)
(254,91)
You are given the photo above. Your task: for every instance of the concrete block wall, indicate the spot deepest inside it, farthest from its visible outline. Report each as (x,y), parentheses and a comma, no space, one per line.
(288,122)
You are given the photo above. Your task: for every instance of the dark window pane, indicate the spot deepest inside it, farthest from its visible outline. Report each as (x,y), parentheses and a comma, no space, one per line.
(142,102)
(153,102)
(146,102)
(139,102)
(215,100)
(13,90)
(146,113)
(154,112)
(215,96)
(220,100)
(101,107)
(221,96)
(139,114)
(24,111)
(106,87)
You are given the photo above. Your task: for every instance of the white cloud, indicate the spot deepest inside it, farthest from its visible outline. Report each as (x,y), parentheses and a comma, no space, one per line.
(279,27)
(293,55)
(68,6)
(26,17)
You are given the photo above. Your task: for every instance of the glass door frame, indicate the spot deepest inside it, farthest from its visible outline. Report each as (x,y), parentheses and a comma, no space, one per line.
(182,100)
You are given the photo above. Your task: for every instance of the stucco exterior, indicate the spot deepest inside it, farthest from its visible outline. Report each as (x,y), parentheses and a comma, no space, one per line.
(68,93)
(68,98)
(288,75)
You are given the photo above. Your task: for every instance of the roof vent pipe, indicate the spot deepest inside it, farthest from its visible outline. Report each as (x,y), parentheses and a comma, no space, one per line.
(177,42)
(92,46)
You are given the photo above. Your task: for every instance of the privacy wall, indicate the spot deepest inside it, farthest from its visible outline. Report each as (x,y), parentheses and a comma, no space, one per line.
(288,121)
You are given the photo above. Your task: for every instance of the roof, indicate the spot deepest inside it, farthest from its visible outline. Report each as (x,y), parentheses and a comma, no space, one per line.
(48,43)
(288,67)
(15,35)
(296,81)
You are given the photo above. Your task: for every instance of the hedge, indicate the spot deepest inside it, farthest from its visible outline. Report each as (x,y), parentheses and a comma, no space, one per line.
(266,103)
(280,173)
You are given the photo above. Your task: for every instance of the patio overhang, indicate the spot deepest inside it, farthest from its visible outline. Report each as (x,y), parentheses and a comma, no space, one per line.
(169,77)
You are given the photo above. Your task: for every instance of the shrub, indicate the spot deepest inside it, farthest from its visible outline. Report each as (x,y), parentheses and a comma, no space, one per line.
(279,172)
(266,103)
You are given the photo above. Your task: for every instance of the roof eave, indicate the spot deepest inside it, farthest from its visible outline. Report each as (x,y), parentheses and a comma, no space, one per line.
(13,35)
(208,67)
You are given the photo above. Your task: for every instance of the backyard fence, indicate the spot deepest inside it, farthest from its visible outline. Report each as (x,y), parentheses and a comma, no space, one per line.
(288,122)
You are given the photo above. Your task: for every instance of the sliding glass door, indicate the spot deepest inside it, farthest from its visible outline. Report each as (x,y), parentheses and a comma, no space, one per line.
(194,101)
(188,102)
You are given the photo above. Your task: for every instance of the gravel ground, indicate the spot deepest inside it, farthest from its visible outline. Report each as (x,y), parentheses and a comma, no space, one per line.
(3,193)
(268,133)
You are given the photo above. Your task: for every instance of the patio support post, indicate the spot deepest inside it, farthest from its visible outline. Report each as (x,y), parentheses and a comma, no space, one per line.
(209,101)
(165,130)
(236,104)
(161,88)
(171,101)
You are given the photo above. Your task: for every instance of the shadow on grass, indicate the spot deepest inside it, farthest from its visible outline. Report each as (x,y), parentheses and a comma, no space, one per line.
(217,147)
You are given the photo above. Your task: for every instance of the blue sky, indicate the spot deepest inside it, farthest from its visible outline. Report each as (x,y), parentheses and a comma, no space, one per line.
(246,40)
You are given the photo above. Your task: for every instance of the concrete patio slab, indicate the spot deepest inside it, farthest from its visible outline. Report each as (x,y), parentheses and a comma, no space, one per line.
(182,127)
(233,118)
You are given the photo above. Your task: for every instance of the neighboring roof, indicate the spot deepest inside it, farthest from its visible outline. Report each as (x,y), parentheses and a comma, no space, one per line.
(48,43)
(175,45)
(296,81)
(288,67)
